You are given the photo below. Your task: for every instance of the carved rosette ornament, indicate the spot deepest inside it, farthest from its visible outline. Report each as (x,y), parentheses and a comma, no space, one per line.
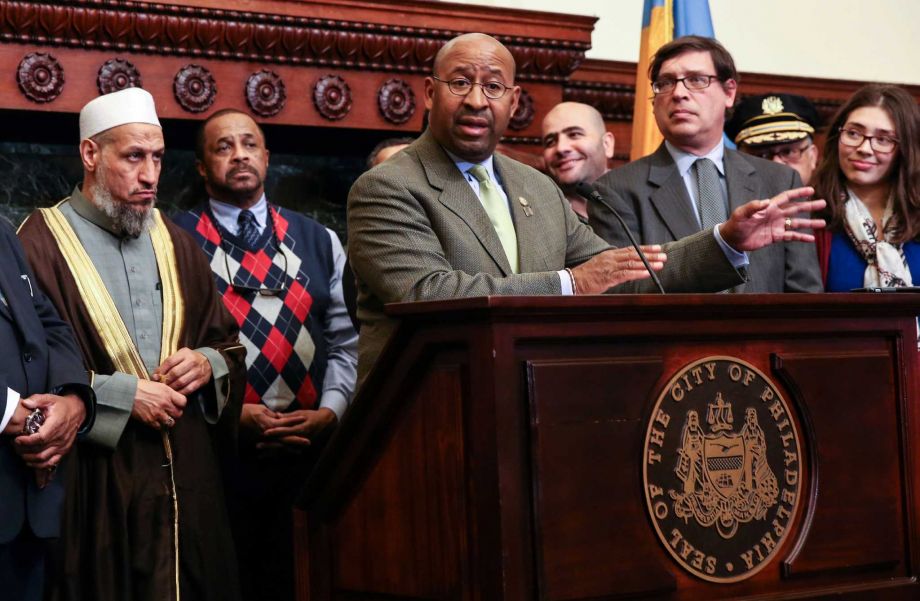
(40,77)
(265,93)
(523,116)
(117,74)
(332,97)
(194,88)
(396,101)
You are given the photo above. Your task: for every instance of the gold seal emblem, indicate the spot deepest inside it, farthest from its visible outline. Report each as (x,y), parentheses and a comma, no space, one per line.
(772,105)
(721,469)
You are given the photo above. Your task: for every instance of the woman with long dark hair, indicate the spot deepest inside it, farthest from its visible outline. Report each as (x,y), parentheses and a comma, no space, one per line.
(870,177)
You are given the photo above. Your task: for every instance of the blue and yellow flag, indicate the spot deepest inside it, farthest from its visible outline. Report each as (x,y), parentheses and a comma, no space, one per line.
(662,21)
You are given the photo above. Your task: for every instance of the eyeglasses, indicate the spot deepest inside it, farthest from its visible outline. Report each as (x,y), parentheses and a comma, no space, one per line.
(787,153)
(462,86)
(260,290)
(666,85)
(855,138)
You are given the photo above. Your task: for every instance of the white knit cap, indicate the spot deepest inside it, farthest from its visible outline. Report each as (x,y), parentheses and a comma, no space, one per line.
(131,105)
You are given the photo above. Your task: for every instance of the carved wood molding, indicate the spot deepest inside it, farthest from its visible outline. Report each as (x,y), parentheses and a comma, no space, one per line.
(215,33)
(614,100)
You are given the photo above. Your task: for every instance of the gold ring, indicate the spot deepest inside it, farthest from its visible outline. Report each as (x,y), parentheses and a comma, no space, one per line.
(788,223)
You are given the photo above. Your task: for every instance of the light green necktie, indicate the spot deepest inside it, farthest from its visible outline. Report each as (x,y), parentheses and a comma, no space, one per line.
(499,214)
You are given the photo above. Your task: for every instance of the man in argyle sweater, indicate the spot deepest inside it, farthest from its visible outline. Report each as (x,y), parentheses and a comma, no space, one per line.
(279,273)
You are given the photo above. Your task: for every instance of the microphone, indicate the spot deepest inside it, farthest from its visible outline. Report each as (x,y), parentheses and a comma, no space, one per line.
(589,192)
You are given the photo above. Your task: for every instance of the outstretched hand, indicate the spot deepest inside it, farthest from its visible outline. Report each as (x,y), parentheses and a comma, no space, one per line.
(761,223)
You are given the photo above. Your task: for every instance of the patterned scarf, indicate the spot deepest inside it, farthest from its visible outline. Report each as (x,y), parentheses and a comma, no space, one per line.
(887,265)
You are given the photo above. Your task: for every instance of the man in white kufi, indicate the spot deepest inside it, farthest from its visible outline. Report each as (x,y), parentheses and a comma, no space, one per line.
(144,517)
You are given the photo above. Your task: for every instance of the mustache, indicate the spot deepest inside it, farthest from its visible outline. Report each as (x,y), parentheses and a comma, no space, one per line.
(242,169)
(466,113)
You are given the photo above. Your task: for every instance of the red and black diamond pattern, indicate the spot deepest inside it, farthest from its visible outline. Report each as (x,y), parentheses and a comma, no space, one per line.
(273,328)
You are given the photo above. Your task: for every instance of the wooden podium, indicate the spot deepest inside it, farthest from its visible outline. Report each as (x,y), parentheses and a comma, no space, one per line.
(675,447)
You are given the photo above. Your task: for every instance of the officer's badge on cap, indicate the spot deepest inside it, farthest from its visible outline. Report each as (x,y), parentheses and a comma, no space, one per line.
(772,119)
(131,105)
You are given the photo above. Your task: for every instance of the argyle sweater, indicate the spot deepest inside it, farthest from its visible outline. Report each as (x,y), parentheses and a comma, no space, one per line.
(275,329)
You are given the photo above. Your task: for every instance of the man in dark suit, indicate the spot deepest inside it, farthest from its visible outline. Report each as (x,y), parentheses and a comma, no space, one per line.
(692,181)
(448,218)
(40,369)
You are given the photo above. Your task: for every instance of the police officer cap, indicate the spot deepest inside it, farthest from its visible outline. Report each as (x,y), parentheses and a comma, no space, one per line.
(772,119)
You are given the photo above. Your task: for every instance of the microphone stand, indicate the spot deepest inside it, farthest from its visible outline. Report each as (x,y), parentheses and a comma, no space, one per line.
(588,192)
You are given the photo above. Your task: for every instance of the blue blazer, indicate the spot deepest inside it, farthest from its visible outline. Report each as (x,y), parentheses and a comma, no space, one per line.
(37,355)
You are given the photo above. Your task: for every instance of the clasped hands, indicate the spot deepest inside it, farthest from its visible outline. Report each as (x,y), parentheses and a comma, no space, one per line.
(160,401)
(275,431)
(44,450)
(751,226)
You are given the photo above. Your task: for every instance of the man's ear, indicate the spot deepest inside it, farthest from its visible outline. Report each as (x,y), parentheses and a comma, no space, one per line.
(429,92)
(812,156)
(515,98)
(199,166)
(90,155)
(609,144)
(731,90)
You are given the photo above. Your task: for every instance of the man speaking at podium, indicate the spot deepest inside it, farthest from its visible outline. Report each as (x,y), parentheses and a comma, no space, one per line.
(448,218)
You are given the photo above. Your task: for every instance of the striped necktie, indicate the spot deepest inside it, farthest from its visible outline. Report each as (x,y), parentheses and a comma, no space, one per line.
(499,214)
(249,229)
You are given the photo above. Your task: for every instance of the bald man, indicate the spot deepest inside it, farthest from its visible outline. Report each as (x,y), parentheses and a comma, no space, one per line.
(576,147)
(449,218)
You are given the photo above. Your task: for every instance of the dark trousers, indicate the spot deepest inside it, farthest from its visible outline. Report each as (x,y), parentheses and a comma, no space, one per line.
(261,491)
(22,567)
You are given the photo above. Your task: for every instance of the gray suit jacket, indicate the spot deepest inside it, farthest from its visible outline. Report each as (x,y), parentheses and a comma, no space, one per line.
(417,231)
(653,200)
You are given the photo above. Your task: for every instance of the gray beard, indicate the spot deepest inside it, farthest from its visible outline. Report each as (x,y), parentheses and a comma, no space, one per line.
(125,220)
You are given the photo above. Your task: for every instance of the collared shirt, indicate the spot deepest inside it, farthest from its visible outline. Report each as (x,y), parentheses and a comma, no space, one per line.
(341,362)
(565,280)
(228,215)
(12,403)
(684,161)
(128,269)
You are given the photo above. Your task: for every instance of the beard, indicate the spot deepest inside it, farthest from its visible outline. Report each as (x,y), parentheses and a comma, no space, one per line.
(223,188)
(126,221)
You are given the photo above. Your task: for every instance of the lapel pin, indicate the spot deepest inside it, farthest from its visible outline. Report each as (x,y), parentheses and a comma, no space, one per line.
(525,204)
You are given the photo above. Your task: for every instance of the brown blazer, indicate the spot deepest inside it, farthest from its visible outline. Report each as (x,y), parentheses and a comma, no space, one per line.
(417,231)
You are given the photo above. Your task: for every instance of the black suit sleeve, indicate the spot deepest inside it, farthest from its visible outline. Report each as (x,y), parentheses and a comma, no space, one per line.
(66,373)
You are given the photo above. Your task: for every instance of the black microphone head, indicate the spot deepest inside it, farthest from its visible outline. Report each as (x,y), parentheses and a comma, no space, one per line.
(585,190)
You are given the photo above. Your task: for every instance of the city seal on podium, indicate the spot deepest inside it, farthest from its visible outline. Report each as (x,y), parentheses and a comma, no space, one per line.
(722,469)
